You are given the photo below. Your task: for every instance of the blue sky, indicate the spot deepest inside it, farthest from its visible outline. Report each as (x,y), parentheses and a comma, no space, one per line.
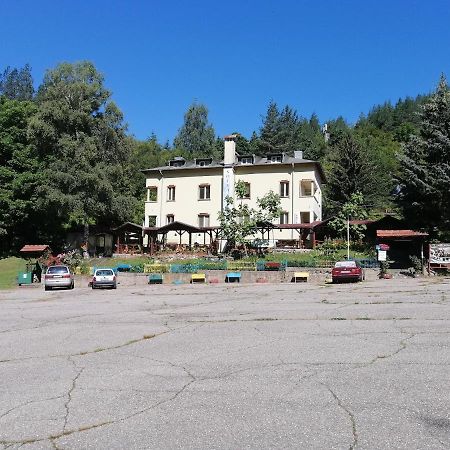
(330,57)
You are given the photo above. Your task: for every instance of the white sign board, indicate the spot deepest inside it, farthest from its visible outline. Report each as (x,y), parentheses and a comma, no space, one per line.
(228,184)
(382,255)
(439,253)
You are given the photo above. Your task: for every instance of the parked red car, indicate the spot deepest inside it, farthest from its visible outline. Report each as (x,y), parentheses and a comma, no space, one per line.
(347,271)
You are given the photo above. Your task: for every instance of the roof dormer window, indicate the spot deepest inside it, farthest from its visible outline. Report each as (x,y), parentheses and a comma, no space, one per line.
(202,162)
(275,158)
(248,159)
(178,161)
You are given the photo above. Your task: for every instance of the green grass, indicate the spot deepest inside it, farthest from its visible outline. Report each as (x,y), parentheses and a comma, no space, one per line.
(313,254)
(9,267)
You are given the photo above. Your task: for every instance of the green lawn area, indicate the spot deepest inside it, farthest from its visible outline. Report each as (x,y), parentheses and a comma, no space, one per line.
(9,267)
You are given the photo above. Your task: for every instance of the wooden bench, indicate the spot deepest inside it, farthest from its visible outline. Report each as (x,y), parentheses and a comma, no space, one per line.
(155,278)
(300,276)
(232,277)
(198,278)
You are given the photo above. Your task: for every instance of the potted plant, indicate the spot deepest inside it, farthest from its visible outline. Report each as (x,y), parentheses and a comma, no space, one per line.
(384,266)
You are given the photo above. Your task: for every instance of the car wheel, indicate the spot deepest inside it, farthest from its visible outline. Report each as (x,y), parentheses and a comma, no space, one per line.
(47,288)
(115,286)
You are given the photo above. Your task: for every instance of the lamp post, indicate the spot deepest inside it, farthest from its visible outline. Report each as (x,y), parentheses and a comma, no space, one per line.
(348,238)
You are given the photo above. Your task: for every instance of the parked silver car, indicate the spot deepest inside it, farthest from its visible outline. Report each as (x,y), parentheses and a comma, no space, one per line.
(104,278)
(58,277)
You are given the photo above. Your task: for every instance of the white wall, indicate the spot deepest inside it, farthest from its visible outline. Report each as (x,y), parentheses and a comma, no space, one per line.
(262,179)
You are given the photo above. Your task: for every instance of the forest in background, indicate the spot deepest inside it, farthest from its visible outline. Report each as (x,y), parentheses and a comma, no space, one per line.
(67,160)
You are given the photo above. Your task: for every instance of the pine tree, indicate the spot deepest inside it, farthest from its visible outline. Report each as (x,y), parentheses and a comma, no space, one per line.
(268,134)
(425,165)
(285,131)
(196,137)
(351,169)
(17,84)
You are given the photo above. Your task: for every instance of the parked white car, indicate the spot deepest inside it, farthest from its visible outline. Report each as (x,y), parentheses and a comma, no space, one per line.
(104,278)
(58,277)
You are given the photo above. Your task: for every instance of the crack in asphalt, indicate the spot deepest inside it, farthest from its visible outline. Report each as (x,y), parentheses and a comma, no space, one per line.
(402,346)
(21,405)
(98,350)
(69,393)
(349,414)
(54,437)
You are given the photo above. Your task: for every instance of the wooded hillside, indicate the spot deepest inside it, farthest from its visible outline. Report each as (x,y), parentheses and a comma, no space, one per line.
(67,160)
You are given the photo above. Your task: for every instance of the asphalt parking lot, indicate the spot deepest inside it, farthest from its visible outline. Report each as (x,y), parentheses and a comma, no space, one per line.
(288,365)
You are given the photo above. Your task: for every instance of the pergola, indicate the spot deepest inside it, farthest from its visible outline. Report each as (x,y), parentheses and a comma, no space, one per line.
(128,237)
(303,230)
(265,227)
(160,233)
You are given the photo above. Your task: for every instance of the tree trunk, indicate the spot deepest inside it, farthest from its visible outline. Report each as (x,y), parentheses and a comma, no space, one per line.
(86,236)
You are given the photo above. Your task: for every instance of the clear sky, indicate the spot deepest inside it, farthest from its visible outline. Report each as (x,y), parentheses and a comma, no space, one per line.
(334,57)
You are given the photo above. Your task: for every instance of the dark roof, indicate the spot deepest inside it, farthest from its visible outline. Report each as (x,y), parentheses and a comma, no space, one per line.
(187,165)
(258,161)
(265,224)
(128,225)
(174,226)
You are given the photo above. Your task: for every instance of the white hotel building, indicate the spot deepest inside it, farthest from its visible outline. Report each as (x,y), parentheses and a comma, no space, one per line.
(194,192)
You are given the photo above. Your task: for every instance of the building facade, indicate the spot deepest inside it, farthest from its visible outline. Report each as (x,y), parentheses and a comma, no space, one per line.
(194,192)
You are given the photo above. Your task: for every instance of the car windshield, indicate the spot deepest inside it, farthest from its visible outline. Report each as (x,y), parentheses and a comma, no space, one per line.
(345,264)
(104,272)
(58,270)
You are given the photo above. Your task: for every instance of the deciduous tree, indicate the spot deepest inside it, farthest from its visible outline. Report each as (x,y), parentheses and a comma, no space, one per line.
(19,175)
(80,136)
(354,209)
(239,221)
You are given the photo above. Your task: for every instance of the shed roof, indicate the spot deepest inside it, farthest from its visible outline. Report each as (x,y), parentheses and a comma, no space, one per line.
(174,226)
(400,233)
(34,248)
(128,226)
